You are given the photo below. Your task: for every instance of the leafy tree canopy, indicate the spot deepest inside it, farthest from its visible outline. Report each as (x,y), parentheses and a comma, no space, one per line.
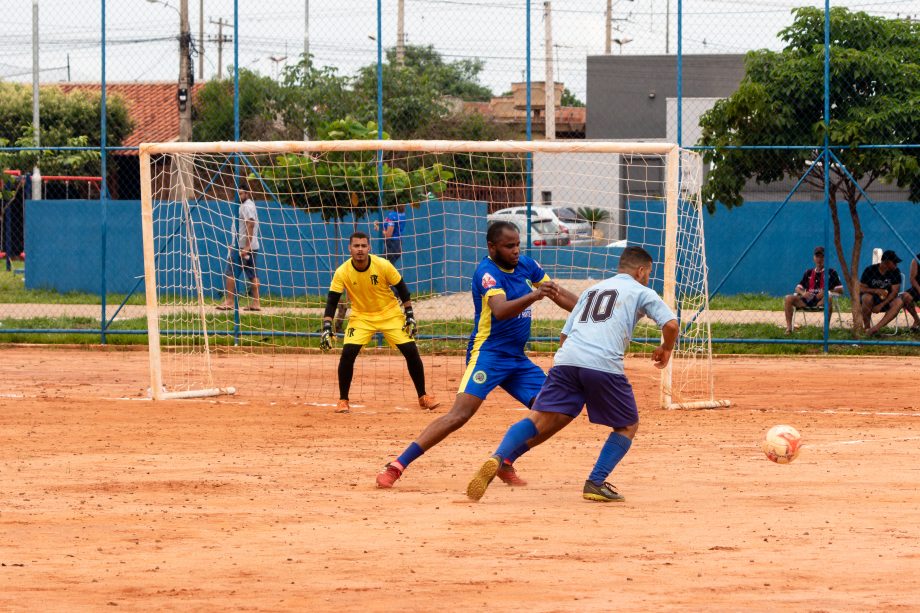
(875,99)
(67,120)
(339,183)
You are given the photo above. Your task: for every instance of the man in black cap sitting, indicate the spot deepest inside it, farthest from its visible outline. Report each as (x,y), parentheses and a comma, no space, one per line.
(879,286)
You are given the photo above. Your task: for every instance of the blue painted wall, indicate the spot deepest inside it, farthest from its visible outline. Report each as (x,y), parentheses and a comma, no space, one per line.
(442,244)
(776,262)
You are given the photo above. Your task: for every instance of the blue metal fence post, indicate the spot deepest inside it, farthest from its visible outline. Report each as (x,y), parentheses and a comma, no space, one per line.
(236,138)
(827,162)
(103,188)
(680,72)
(380,119)
(528,171)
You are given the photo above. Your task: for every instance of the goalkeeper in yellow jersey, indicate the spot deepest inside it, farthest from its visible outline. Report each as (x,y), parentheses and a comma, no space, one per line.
(368,279)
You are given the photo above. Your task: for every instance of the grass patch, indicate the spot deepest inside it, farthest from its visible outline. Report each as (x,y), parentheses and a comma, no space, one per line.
(758,302)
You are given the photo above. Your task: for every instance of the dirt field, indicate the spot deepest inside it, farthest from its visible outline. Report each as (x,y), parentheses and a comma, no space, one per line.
(259,503)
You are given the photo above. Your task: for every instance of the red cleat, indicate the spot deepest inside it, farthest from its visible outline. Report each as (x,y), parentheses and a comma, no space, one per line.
(388,476)
(509,476)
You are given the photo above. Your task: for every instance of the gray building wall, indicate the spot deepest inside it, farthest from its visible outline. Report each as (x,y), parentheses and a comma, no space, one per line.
(627,94)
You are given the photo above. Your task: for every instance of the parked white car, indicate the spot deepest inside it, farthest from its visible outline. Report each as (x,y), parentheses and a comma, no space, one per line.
(544,231)
(568,220)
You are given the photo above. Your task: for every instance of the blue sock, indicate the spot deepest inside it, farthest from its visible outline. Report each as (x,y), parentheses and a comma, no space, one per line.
(514,455)
(411,454)
(613,451)
(516,437)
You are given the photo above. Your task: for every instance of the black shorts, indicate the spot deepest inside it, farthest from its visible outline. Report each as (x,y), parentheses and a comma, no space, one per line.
(392,249)
(913,294)
(876,299)
(812,302)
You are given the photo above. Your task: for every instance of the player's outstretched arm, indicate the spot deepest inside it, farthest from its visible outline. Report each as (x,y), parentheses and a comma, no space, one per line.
(502,308)
(565,298)
(662,354)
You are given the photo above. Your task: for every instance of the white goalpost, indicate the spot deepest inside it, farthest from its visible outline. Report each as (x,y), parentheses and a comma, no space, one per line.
(576,203)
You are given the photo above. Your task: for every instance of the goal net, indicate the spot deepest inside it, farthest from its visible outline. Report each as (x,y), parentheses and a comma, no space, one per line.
(216,325)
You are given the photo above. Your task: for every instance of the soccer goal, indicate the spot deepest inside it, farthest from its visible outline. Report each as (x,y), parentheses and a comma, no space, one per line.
(216,325)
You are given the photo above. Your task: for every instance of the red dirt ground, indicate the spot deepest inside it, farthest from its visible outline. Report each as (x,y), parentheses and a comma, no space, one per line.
(259,503)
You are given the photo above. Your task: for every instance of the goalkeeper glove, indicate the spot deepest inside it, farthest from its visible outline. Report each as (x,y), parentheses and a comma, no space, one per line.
(411,327)
(325,341)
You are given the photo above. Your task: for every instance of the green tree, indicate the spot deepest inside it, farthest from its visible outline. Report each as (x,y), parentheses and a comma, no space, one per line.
(260,109)
(874,89)
(339,183)
(311,97)
(67,120)
(416,93)
(459,79)
(570,99)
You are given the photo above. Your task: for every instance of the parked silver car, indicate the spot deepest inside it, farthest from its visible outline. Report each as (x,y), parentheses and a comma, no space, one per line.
(566,218)
(544,231)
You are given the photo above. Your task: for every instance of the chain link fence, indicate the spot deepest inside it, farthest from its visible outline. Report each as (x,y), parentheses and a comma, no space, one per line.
(807,121)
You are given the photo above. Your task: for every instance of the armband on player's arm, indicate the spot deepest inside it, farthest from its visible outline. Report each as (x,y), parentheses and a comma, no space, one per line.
(332,301)
(402,290)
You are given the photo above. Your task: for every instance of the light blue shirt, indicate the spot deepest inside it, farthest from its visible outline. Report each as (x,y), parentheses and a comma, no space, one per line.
(601,325)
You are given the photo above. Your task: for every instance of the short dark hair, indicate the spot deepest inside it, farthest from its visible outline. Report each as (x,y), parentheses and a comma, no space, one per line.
(633,257)
(355,235)
(496,229)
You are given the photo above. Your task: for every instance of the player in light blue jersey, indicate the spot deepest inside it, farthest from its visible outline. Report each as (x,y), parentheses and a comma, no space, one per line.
(504,287)
(588,369)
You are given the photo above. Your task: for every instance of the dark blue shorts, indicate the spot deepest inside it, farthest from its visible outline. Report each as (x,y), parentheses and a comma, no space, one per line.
(516,375)
(392,249)
(235,264)
(609,396)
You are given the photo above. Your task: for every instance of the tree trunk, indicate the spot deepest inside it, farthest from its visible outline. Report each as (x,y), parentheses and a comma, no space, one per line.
(854,265)
(845,269)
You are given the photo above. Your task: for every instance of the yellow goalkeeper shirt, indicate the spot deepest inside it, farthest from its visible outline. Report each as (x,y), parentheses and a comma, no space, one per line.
(369,290)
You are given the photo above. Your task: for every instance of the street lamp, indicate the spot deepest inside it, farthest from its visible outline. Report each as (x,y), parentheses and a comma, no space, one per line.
(622,41)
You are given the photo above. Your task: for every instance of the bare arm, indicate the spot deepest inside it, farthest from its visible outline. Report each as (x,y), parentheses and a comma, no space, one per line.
(502,308)
(865,289)
(564,298)
(662,354)
(250,231)
(914,278)
(891,295)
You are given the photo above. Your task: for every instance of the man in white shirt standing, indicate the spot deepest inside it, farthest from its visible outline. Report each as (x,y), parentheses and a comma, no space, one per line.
(243,254)
(588,369)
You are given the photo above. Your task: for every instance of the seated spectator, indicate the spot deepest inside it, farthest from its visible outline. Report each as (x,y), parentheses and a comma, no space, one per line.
(912,292)
(879,286)
(809,293)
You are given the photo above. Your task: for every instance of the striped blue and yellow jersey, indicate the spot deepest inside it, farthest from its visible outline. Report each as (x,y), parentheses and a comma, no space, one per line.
(506,337)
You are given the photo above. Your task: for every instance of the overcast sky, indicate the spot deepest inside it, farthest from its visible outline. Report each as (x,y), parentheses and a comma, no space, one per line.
(142,45)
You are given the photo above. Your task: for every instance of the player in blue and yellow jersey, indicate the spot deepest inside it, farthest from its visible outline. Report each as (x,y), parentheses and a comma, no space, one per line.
(368,280)
(505,285)
(588,369)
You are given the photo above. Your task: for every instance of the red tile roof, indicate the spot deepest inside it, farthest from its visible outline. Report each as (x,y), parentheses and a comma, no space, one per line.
(151,106)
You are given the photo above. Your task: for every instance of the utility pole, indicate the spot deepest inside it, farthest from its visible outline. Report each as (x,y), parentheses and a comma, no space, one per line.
(36,116)
(201,40)
(608,27)
(550,84)
(306,29)
(401,32)
(667,27)
(184,95)
(221,39)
